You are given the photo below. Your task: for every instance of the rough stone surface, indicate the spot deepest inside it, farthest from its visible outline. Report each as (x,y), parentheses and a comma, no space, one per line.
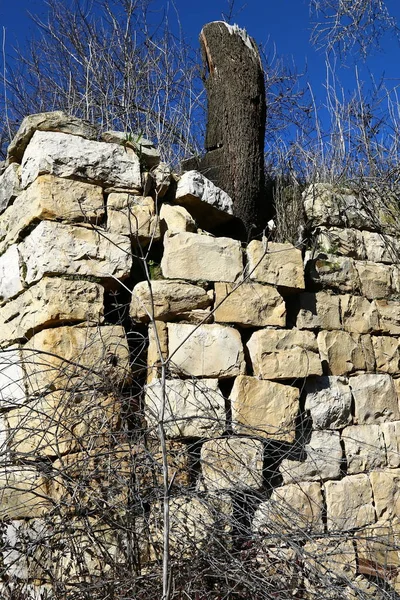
(167,300)
(359,315)
(208,204)
(320,460)
(342,242)
(249,305)
(157,349)
(331,558)
(277,264)
(389,316)
(291,508)
(264,408)
(232,463)
(12,378)
(193,256)
(387,356)
(162,177)
(132,215)
(336,272)
(324,204)
(74,358)
(71,156)
(391,434)
(385,487)
(52,301)
(146,151)
(23,493)
(377,546)
(10,185)
(375,399)
(284,354)
(364,447)
(205,351)
(10,273)
(318,311)
(176,219)
(345,352)
(188,408)
(375,280)
(329,400)
(357,510)
(381,248)
(58,249)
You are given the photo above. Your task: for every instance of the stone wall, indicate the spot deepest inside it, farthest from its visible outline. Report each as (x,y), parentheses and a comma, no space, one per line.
(137,338)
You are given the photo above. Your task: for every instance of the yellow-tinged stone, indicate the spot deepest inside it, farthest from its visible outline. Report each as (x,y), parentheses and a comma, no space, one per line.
(328,557)
(23,493)
(249,304)
(357,510)
(134,216)
(277,264)
(345,352)
(157,350)
(386,490)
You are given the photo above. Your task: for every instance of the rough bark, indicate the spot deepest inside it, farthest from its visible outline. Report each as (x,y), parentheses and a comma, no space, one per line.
(236,120)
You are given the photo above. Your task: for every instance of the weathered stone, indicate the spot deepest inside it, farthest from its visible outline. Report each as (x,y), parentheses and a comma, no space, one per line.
(380,247)
(277,264)
(165,300)
(58,249)
(264,408)
(77,358)
(146,151)
(342,242)
(23,550)
(278,565)
(162,177)
(291,508)
(284,354)
(197,316)
(52,301)
(12,378)
(387,356)
(13,587)
(249,305)
(349,503)
(319,311)
(208,204)
(10,185)
(375,280)
(71,156)
(375,399)
(187,408)
(232,463)
(363,587)
(23,493)
(391,434)
(176,219)
(157,350)
(132,215)
(364,447)
(325,204)
(333,558)
(329,402)
(48,121)
(359,315)
(378,548)
(193,256)
(336,272)
(205,351)
(10,273)
(320,459)
(345,352)
(385,487)
(389,316)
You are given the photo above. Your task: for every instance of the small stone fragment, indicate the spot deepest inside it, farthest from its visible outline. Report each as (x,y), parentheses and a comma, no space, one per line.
(176,219)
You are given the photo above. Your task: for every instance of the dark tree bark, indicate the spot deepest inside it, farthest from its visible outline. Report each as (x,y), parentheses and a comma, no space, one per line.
(236,120)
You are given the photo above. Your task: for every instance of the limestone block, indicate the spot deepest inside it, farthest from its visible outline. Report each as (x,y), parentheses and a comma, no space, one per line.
(343,242)
(13,390)
(11,589)
(194,256)
(23,493)
(58,249)
(284,354)
(345,352)
(329,400)
(10,185)
(381,248)
(291,508)
(277,264)
(24,550)
(319,311)
(48,121)
(279,567)
(386,491)
(249,304)
(198,316)
(232,463)
(61,422)
(391,434)
(320,460)
(167,299)
(387,356)
(77,358)
(325,204)
(176,219)
(10,273)
(333,558)
(389,316)
(264,408)
(336,272)
(207,203)
(148,154)
(187,408)
(375,280)
(74,157)
(364,447)
(134,216)
(375,399)
(162,177)
(52,199)
(378,547)
(50,302)
(205,350)
(359,315)
(357,510)
(157,349)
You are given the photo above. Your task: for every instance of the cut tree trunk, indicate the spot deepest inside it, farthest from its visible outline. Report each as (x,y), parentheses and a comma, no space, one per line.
(235,133)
